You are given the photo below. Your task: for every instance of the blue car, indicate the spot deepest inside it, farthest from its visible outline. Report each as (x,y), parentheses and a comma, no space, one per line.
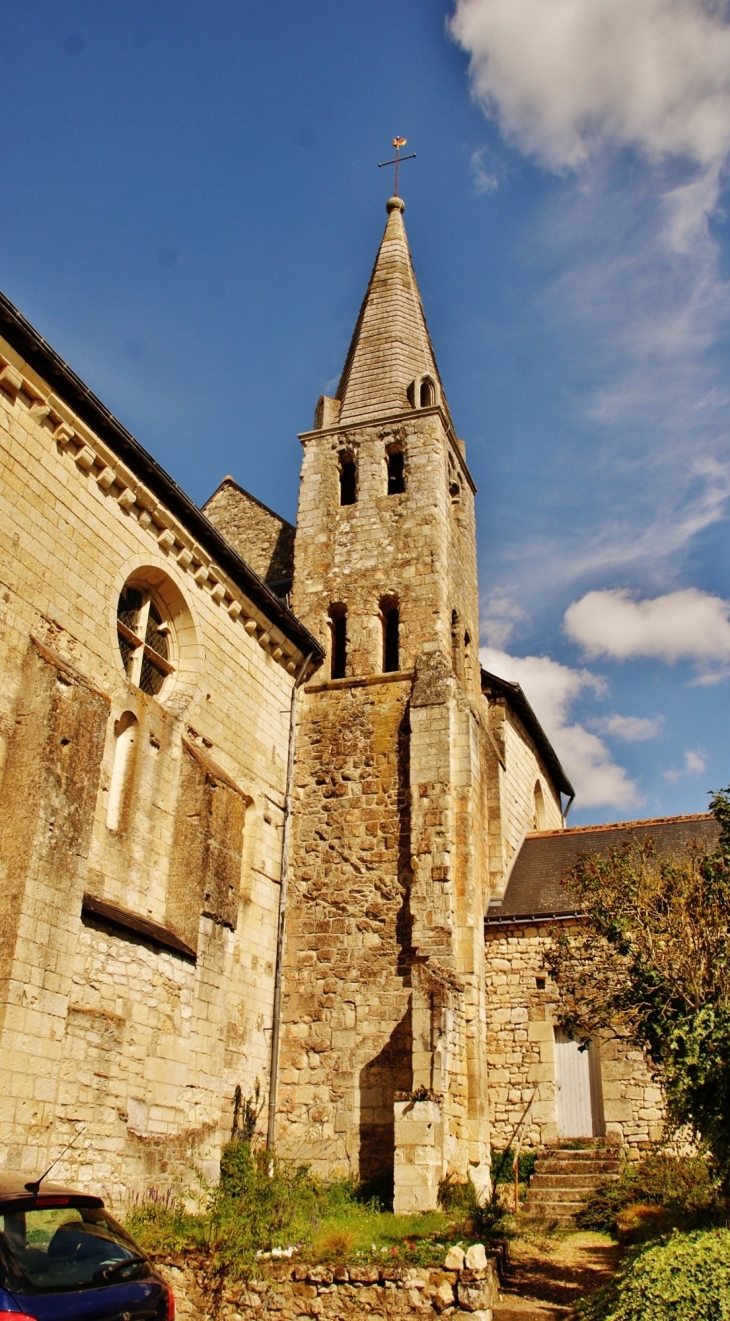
(64,1258)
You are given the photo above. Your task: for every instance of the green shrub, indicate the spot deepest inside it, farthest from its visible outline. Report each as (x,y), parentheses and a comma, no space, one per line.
(502,1171)
(684,1278)
(680,1184)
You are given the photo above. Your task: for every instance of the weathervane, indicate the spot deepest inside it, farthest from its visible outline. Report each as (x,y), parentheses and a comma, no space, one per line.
(397,143)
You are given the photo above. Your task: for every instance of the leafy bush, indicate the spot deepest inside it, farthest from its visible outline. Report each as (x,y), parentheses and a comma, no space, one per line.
(680,1184)
(502,1171)
(684,1278)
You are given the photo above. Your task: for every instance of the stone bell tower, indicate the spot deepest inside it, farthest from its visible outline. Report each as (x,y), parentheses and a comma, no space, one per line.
(382,1071)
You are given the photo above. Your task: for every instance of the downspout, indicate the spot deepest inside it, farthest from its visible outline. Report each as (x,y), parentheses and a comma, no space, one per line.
(283,887)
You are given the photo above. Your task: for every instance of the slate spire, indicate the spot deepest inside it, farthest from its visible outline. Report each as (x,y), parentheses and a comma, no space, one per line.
(391,347)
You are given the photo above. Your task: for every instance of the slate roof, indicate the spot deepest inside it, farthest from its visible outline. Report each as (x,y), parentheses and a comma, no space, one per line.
(535,888)
(391,345)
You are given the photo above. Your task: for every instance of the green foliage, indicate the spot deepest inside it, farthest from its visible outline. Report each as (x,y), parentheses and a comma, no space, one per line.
(684,1278)
(246,1111)
(502,1171)
(656,942)
(261,1204)
(681,1184)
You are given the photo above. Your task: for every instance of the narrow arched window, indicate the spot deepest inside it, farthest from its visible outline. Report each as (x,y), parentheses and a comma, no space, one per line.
(539,816)
(391,636)
(338,640)
(396,470)
(348,480)
(467,656)
(427,393)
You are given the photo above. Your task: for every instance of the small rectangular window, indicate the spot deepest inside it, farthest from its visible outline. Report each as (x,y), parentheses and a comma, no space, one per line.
(391,659)
(396,472)
(348,480)
(338,629)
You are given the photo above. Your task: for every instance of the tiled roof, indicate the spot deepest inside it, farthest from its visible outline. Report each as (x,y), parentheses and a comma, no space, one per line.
(391,345)
(535,886)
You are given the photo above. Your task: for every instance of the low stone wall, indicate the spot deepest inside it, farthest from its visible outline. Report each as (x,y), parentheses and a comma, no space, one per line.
(332,1293)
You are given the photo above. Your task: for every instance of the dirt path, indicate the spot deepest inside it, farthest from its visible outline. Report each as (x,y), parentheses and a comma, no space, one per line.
(559,1268)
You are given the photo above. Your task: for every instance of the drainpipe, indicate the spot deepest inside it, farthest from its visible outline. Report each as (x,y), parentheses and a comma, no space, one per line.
(283,887)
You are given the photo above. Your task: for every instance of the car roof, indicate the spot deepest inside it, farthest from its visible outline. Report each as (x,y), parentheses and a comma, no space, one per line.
(13,1187)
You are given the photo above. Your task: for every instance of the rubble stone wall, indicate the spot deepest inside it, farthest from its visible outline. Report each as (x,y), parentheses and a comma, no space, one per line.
(346,1026)
(334,1293)
(263,538)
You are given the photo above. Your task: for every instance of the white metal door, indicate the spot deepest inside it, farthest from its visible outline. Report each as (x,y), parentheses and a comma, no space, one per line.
(573,1078)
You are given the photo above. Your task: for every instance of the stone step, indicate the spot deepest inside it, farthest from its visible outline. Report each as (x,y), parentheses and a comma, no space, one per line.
(529,1309)
(564,1212)
(580,1153)
(558,1194)
(597,1167)
(560,1180)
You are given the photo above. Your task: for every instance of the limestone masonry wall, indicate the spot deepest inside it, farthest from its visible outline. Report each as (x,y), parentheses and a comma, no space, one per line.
(100,1025)
(512,806)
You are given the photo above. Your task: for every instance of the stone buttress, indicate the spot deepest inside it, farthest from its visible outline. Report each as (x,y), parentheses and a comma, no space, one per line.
(382,1059)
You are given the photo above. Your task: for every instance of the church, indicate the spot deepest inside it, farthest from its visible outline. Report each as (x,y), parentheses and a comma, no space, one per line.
(266,825)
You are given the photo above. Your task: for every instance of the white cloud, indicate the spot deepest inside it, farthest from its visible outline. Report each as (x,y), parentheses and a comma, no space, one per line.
(484,179)
(684,625)
(695,763)
(500,615)
(640,294)
(631,729)
(551,689)
(567,77)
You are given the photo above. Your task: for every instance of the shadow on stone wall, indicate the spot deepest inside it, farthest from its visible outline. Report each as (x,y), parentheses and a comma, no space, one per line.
(389,1072)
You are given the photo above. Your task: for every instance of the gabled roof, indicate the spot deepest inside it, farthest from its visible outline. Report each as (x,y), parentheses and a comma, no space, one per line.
(391,345)
(492,685)
(39,355)
(535,888)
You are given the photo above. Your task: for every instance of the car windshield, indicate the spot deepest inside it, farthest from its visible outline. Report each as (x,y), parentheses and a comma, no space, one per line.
(52,1249)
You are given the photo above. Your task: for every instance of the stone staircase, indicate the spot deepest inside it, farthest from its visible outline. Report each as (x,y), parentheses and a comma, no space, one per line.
(564,1179)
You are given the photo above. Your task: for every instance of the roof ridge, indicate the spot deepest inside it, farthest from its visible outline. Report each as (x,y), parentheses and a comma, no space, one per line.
(619,825)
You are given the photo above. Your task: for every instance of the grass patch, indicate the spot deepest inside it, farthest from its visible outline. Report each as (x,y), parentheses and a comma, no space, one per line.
(264,1206)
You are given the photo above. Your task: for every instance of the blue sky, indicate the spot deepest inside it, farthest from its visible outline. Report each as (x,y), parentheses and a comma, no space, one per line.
(191,207)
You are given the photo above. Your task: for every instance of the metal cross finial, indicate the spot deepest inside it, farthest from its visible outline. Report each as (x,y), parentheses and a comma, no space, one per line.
(397,143)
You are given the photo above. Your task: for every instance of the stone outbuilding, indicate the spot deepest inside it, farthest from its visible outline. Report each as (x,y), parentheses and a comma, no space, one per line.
(536,1073)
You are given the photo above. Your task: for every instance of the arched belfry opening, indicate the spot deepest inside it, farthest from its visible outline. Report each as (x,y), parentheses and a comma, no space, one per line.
(427,393)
